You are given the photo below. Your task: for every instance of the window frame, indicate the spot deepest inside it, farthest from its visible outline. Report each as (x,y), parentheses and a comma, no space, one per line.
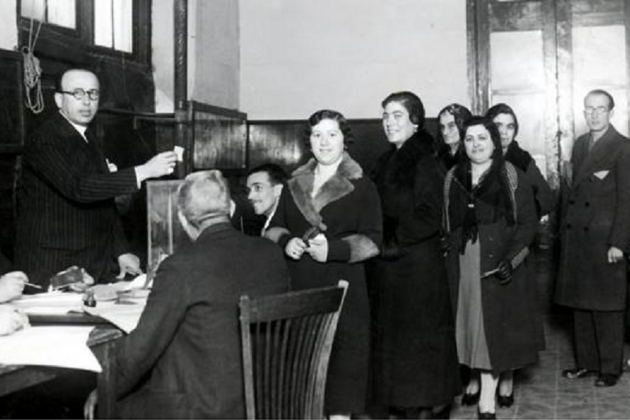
(76,45)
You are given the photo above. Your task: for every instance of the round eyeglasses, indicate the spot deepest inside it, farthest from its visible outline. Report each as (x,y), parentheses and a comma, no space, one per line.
(79,94)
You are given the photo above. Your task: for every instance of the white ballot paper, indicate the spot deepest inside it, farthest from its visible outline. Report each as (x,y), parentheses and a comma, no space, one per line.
(179,151)
(60,346)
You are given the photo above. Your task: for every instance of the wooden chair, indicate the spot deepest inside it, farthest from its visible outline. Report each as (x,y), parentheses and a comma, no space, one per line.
(286,341)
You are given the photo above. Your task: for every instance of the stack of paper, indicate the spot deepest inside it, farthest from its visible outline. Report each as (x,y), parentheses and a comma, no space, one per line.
(49,346)
(51,303)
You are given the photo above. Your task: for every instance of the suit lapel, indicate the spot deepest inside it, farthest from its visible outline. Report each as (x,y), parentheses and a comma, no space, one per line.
(601,152)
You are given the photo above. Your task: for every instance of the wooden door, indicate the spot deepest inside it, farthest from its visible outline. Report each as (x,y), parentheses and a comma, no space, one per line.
(541,57)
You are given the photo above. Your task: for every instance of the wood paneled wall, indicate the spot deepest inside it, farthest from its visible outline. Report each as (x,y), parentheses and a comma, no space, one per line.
(284,142)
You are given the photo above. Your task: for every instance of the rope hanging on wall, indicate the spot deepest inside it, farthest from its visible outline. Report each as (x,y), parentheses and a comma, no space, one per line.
(32,73)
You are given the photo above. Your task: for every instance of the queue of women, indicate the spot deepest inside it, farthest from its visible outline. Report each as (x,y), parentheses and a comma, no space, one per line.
(434,244)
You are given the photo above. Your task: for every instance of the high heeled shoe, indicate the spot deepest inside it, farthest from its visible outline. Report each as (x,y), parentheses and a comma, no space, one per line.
(471,399)
(488,416)
(505,401)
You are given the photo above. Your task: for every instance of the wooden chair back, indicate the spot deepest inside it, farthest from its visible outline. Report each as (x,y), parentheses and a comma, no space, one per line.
(286,345)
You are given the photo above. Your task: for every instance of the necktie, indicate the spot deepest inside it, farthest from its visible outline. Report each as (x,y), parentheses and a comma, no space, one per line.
(591,143)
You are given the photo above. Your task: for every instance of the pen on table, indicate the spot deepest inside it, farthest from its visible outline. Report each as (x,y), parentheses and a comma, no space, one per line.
(36,286)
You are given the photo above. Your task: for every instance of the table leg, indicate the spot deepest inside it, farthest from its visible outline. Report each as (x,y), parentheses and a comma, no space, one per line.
(106,382)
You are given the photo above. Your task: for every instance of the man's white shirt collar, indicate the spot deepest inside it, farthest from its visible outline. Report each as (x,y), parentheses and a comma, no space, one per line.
(80,128)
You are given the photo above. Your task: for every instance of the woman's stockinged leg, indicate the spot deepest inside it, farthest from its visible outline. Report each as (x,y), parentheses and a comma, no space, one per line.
(489,384)
(506,383)
(473,382)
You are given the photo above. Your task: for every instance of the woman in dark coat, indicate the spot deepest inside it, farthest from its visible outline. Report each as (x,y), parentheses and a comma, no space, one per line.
(450,124)
(328,222)
(505,119)
(415,359)
(490,220)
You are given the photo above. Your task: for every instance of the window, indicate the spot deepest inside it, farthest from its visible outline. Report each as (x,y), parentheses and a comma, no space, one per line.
(56,12)
(113,24)
(101,26)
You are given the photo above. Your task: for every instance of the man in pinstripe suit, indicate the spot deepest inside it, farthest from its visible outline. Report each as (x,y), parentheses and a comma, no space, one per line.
(67,215)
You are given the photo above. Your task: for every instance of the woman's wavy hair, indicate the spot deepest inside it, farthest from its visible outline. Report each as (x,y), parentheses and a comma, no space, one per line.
(412,104)
(502,108)
(328,114)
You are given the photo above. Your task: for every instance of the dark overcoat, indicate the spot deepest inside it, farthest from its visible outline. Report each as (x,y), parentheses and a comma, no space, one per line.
(347,208)
(511,319)
(67,214)
(596,216)
(415,355)
(543,195)
(183,360)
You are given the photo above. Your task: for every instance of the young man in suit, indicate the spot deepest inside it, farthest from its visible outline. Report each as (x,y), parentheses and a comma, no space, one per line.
(67,215)
(184,358)
(595,231)
(264,186)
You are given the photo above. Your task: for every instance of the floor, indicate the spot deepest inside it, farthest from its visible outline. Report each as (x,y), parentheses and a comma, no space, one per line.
(540,390)
(542,393)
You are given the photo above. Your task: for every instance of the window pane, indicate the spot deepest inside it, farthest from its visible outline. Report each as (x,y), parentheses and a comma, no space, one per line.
(34,9)
(62,13)
(113,24)
(103,31)
(57,12)
(123,25)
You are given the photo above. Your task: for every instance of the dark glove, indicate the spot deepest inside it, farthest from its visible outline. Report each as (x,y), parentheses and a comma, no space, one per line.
(504,272)
(445,244)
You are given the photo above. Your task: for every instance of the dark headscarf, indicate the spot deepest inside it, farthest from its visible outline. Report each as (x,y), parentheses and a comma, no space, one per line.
(517,156)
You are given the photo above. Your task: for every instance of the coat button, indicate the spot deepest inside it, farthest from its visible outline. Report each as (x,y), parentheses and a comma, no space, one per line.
(587,204)
(568,225)
(571,201)
(586,229)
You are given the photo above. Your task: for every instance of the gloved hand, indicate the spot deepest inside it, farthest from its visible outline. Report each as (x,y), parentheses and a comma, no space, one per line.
(504,272)
(445,244)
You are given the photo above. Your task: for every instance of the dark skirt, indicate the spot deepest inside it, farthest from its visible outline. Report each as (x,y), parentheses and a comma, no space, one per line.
(414,351)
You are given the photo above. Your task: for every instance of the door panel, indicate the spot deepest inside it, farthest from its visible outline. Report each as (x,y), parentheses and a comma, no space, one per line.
(541,57)
(600,63)
(517,75)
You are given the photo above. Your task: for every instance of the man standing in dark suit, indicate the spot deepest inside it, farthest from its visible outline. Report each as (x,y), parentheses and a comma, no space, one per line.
(184,358)
(67,215)
(595,231)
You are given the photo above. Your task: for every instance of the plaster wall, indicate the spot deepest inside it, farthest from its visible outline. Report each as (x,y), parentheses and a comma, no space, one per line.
(298,56)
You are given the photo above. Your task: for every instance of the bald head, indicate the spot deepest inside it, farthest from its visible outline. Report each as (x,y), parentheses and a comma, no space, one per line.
(77,96)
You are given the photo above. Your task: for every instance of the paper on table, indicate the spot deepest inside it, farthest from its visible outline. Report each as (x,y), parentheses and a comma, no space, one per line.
(50,346)
(51,303)
(124,316)
(137,283)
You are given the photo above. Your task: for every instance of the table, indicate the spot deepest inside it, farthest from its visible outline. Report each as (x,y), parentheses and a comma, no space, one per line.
(102,341)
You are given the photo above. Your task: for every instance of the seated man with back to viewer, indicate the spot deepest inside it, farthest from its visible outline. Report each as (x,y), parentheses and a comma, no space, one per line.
(184,358)
(67,215)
